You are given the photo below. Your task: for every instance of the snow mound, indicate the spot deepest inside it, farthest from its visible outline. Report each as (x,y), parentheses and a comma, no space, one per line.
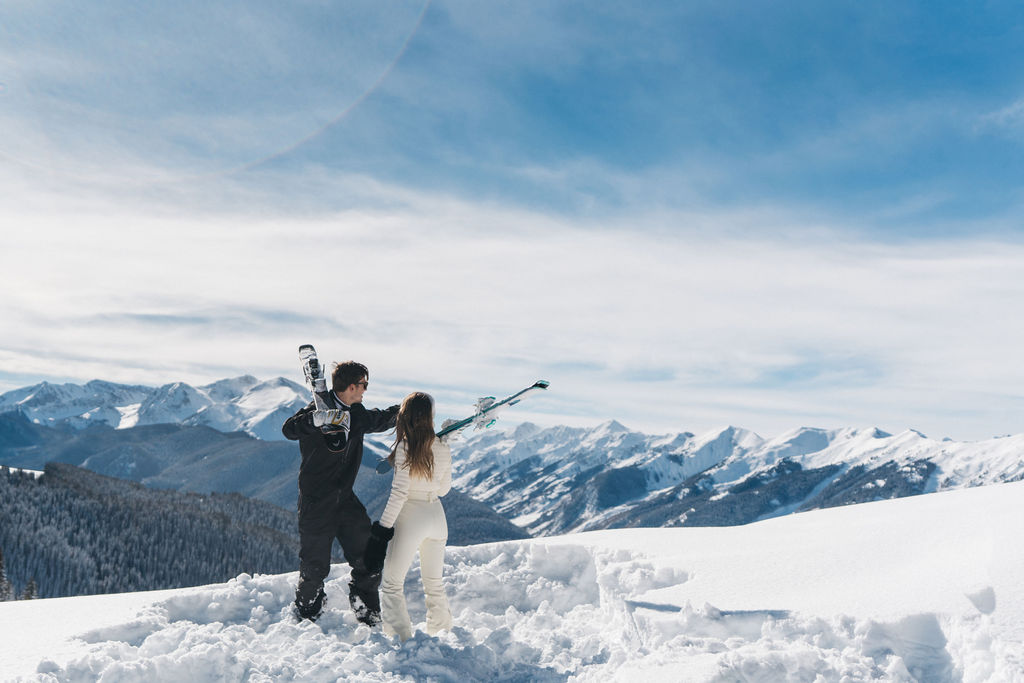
(818,596)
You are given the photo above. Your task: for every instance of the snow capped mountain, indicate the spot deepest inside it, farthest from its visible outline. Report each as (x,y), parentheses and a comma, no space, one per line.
(238,404)
(916,590)
(560,479)
(96,401)
(227,390)
(563,479)
(171,403)
(248,405)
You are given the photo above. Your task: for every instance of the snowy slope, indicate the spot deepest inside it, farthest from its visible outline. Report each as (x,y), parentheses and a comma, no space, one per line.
(259,409)
(231,405)
(564,479)
(928,588)
(95,401)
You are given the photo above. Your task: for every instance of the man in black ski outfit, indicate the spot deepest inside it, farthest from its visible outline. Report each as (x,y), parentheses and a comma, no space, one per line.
(331,445)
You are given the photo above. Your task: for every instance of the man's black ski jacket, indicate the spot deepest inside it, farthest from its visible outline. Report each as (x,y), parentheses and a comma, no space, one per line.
(330,462)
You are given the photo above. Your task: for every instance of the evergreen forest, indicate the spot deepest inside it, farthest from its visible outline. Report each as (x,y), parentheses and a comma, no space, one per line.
(70,532)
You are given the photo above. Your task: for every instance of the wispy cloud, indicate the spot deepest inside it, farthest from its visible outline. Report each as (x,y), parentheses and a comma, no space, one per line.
(198,88)
(681,215)
(1008,119)
(573,108)
(664,329)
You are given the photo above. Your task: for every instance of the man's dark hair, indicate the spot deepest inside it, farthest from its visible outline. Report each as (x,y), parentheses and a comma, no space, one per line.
(346,374)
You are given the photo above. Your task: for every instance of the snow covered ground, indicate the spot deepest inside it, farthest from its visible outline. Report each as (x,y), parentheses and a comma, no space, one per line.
(34,473)
(928,588)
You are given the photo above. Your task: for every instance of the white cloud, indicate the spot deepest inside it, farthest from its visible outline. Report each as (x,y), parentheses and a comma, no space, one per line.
(663,327)
(1010,117)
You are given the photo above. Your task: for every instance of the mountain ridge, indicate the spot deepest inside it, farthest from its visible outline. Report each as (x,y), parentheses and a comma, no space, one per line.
(243,404)
(552,480)
(560,480)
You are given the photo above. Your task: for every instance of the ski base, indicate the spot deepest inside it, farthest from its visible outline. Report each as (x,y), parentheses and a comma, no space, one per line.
(313,371)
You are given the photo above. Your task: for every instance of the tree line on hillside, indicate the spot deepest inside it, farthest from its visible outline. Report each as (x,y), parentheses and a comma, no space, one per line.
(7,591)
(74,532)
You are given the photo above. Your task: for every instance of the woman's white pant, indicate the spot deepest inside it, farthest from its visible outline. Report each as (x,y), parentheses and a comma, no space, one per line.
(422,526)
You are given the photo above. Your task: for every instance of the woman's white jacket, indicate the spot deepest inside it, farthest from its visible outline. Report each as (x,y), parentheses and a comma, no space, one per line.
(421,489)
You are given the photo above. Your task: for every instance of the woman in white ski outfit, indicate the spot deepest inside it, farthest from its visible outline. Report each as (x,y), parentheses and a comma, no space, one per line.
(415,518)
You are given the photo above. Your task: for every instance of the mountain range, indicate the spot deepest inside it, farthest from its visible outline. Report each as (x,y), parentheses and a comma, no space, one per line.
(545,480)
(241,404)
(561,479)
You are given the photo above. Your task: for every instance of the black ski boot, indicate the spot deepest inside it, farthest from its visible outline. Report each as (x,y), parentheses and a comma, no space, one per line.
(309,607)
(366,614)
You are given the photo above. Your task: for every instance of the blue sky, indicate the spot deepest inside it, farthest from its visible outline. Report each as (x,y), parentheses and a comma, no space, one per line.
(855,108)
(684,215)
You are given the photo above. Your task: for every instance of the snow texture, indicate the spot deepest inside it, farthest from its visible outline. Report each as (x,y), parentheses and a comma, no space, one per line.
(928,588)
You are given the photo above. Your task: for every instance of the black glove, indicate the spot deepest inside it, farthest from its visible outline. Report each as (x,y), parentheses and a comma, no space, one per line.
(377,547)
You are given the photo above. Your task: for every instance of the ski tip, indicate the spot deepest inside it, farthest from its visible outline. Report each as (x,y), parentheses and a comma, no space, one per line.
(541,384)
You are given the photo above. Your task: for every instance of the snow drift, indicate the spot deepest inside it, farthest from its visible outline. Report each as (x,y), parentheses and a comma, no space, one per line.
(928,588)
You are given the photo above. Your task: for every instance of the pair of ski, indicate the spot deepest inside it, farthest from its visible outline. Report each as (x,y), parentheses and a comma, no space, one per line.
(486,408)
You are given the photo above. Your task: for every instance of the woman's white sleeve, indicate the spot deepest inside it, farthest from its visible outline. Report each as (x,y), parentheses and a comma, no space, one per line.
(443,469)
(399,490)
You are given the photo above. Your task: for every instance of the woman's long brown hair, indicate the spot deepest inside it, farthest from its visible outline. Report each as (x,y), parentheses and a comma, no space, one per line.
(415,426)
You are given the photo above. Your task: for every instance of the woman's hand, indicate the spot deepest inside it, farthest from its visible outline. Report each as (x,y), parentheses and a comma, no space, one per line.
(377,547)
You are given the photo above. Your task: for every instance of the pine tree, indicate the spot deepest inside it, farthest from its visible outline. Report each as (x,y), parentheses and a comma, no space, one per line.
(31,590)
(6,589)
